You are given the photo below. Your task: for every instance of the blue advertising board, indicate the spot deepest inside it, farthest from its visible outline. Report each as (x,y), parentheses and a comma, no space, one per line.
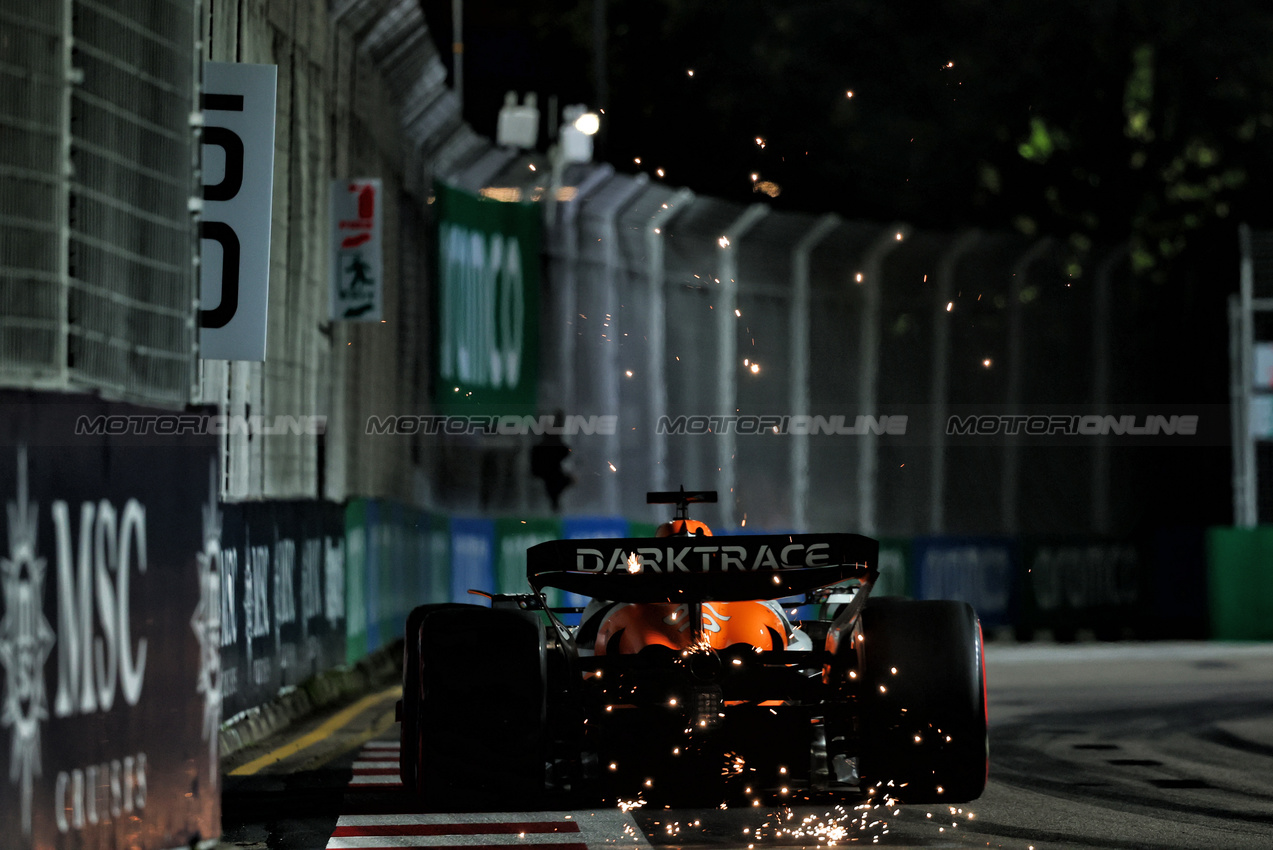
(978,570)
(472,558)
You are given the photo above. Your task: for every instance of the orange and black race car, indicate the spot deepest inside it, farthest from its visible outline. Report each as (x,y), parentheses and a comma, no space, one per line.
(686,682)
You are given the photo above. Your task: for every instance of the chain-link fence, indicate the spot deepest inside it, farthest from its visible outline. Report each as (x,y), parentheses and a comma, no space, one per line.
(667,308)
(98,277)
(361,94)
(669,311)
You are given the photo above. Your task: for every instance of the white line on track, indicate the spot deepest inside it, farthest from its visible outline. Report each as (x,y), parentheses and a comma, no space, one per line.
(593,830)
(1028,653)
(416,841)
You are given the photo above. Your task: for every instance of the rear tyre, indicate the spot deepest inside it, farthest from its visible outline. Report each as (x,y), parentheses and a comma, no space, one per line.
(408,716)
(922,729)
(482,727)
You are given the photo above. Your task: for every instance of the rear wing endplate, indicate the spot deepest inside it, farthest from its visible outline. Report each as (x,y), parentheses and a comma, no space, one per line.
(705,569)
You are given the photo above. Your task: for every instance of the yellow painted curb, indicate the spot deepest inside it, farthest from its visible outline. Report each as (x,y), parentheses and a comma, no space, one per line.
(329,726)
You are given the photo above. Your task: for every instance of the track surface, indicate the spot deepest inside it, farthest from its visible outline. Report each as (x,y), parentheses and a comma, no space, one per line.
(1094,745)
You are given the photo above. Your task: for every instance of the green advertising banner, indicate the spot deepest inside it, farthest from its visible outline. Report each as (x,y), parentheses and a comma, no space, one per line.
(1240,582)
(642,529)
(437,557)
(488,304)
(512,538)
(355,580)
(895,572)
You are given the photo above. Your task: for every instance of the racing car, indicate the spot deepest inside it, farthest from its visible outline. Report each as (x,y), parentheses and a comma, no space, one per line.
(686,682)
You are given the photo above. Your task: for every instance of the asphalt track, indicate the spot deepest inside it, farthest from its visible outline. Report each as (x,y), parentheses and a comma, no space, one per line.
(1163,745)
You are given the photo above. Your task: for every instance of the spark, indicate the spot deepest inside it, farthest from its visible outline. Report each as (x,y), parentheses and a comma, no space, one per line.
(760,142)
(690,72)
(898,236)
(637,160)
(950,305)
(532,166)
(628,373)
(986,362)
(857,278)
(659,172)
(634,566)
(755,368)
(849,93)
(723,241)
(738,313)
(612,466)
(950,64)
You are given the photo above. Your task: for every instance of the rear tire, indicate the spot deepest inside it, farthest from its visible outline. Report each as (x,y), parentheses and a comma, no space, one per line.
(922,730)
(482,728)
(409,717)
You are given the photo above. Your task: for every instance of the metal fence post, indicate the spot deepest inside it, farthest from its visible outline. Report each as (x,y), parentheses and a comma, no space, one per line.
(609,373)
(1016,373)
(939,394)
(727,340)
(868,386)
(1237,419)
(1101,336)
(799,322)
(658,334)
(1247,513)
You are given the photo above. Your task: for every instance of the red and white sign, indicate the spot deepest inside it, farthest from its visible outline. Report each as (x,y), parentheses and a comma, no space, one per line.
(357,261)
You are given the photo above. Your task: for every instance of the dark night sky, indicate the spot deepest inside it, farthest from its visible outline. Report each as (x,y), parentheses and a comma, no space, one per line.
(1155,116)
(1140,121)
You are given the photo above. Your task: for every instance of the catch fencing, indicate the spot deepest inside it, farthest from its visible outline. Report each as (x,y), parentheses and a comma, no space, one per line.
(666,310)
(97,282)
(663,307)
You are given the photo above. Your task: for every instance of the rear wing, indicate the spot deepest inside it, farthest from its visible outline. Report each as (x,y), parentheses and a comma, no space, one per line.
(702,569)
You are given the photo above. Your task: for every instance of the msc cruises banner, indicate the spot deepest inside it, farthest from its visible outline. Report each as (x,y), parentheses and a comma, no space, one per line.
(488,303)
(109,630)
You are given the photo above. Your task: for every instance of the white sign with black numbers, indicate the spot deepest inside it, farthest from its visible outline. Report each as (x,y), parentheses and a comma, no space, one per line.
(238,183)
